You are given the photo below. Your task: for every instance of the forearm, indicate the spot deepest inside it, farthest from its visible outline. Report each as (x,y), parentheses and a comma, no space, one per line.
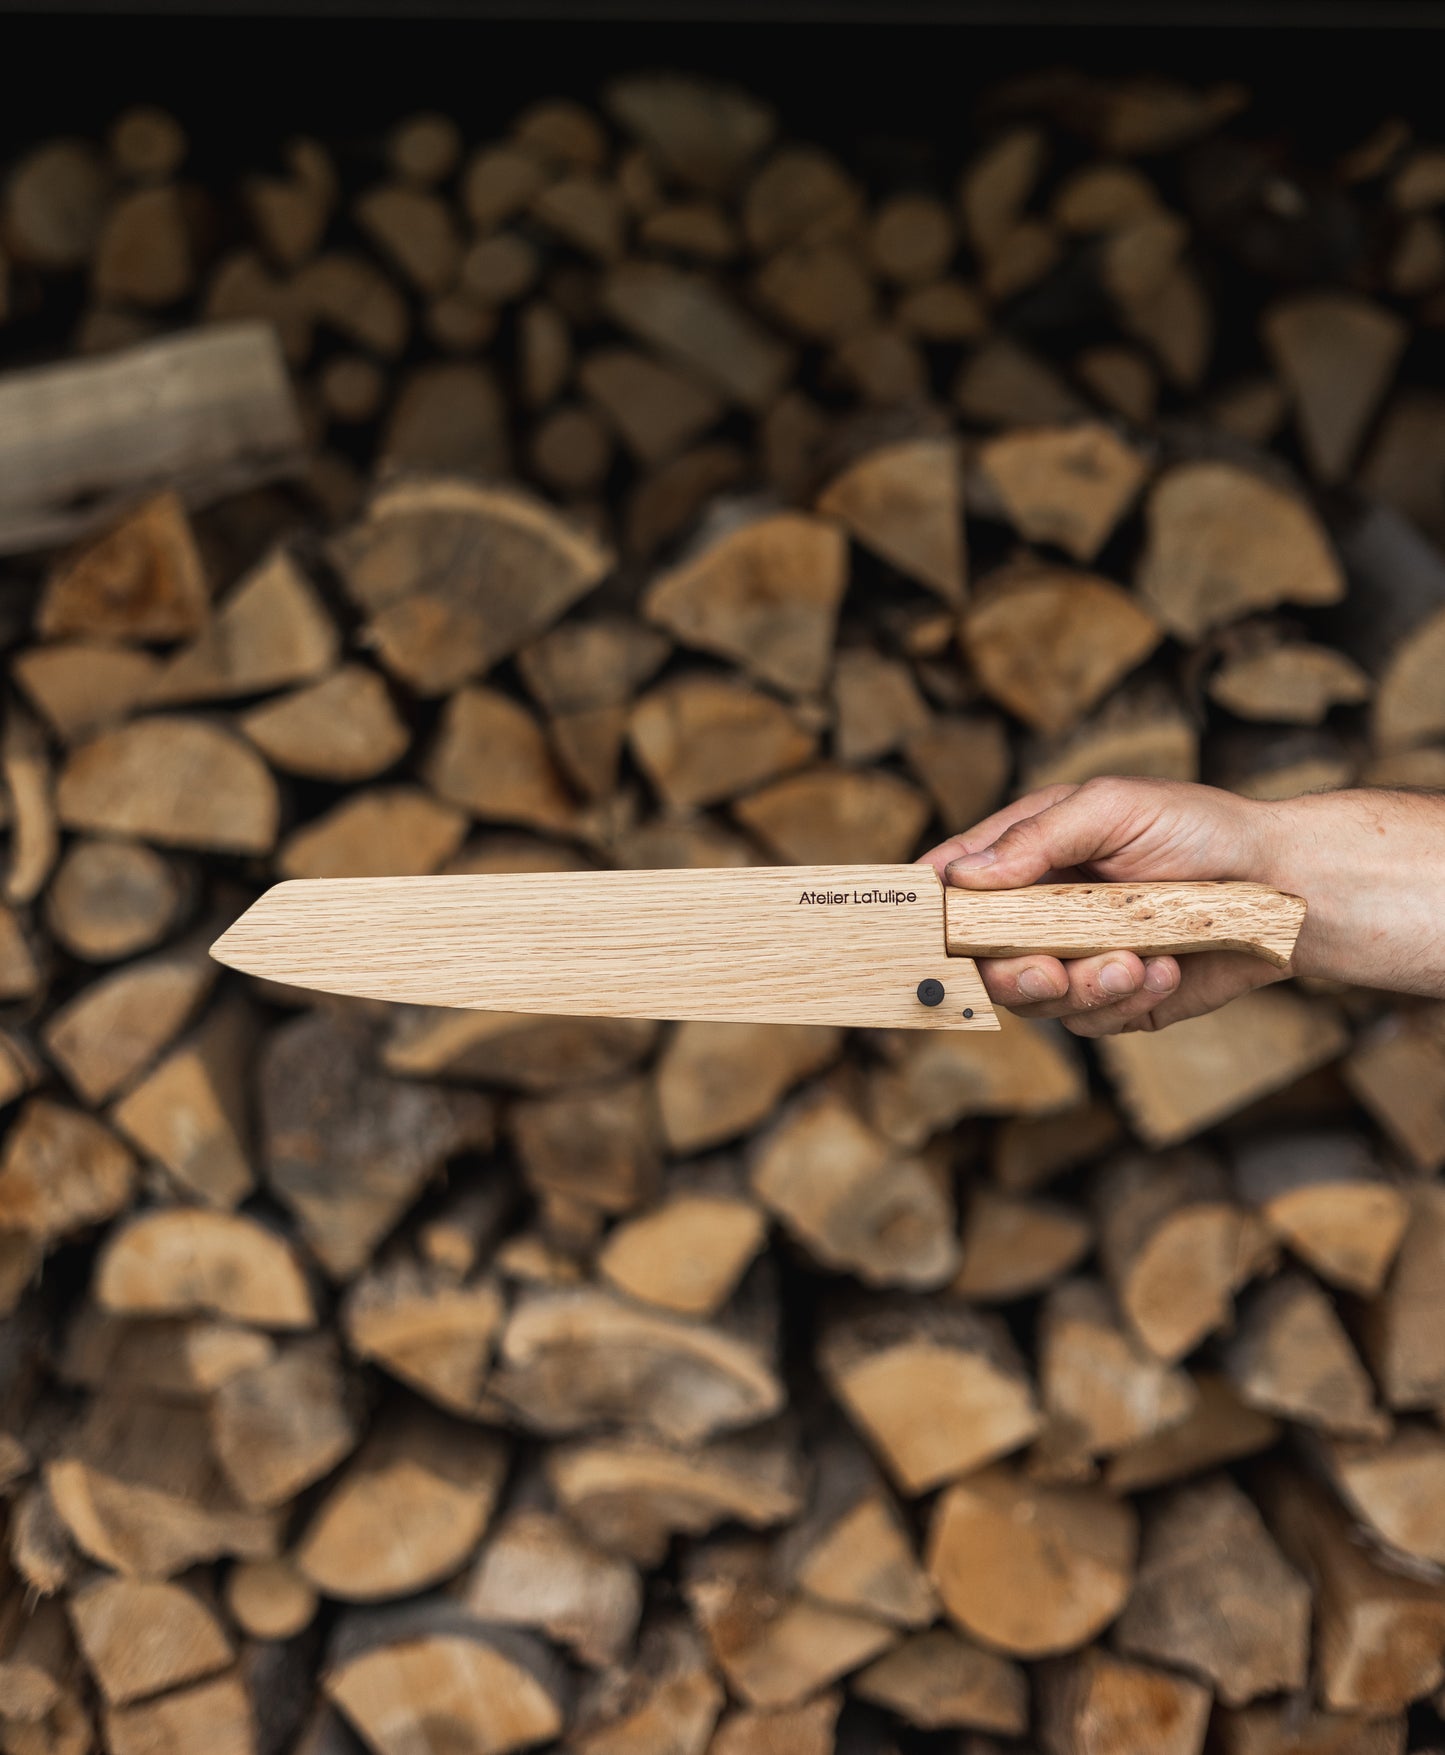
(1371,865)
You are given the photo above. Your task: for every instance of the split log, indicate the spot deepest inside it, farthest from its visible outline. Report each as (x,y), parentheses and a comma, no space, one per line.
(536,1571)
(189,1113)
(1102,1390)
(995,187)
(1048,644)
(573,1359)
(1027,1569)
(1400,1329)
(716,1081)
(491,758)
(690,1251)
(1289,1730)
(80,686)
(184,1359)
(177,781)
(187,1260)
(1291,1356)
(207,414)
(405,1677)
(667,1698)
(414,230)
(500,181)
(929,1082)
(703,133)
(631,1494)
(111,899)
(55,200)
(352,296)
(1121,379)
(1030,1151)
(853,1202)
(1222,542)
(801,195)
(269,1599)
(939,1681)
(1098,1704)
(1174,1247)
(1377,1632)
(427,1330)
(876,705)
(1286,681)
(34,836)
(1068,485)
(669,501)
(136,1490)
(1394,1488)
(1215,1597)
(702,739)
(406,1511)
(822,292)
(218,1713)
(936,1388)
(1003,384)
(1139,731)
(827,816)
(1394,1071)
(414,565)
(526,1052)
(801,1730)
(1219,1428)
(1174,1083)
(572,451)
(117,1026)
(851,1549)
(143,255)
(270,632)
(1012,1248)
(699,229)
(142,580)
(144,1636)
(775,1648)
(447,418)
(386,831)
(599,1147)
(765,595)
(342,728)
(60,1171)
(962,763)
(905,503)
(657,410)
(1336,353)
(688,319)
(283,1424)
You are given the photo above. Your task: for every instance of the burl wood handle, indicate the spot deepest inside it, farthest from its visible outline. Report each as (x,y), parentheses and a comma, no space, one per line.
(1078,920)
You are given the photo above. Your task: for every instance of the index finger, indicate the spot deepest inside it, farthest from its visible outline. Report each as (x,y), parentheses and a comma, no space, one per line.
(985,833)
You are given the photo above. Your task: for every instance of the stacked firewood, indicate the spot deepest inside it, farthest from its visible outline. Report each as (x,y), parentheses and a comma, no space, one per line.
(445,1383)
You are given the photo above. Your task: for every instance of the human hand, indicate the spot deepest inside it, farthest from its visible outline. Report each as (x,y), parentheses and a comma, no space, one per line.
(1121,830)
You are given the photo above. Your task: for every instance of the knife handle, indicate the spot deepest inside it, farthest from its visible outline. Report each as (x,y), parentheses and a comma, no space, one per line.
(1080,920)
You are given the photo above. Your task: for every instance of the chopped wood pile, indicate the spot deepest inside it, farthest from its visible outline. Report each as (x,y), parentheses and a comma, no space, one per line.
(438,1383)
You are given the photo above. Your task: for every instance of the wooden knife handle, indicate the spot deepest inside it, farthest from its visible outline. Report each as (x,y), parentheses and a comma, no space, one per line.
(1078,920)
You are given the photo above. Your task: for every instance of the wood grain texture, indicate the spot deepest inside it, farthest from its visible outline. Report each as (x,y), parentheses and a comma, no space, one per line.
(744,943)
(207,413)
(1077,920)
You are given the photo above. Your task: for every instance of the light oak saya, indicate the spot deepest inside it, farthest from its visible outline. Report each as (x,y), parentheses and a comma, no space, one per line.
(802,944)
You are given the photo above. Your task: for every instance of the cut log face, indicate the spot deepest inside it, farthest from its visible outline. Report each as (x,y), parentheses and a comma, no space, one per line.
(687,1254)
(142,581)
(111,899)
(1395,1070)
(1222,542)
(766,595)
(492,760)
(656,409)
(939,1681)
(1049,644)
(937,1389)
(1098,1704)
(1336,354)
(428,1332)
(1027,1569)
(175,781)
(829,815)
(1395,1489)
(1400,1329)
(80,686)
(415,561)
(1291,1356)
(1219,1428)
(1293,683)
(715,1081)
(1068,486)
(59,1172)
(905,503)
(218,1713)
(631,1493)
(701,133)
(667,1698)
(847,1195)
(406,1512)
(535,1571)
(389,831)
(702,739)
(407,1679)
(1012,1248)
(596,1146)
(876,705)
(269,1599)
(1377,1631)
(144,1636)
(689,320)
(286,1423)
(1284,1730)
(1216,1597)
(341,728)
(570,1360)
(183,1260)
(1178,1082)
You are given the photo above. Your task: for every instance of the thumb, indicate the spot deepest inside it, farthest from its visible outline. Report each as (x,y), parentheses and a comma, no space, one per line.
(1076,829)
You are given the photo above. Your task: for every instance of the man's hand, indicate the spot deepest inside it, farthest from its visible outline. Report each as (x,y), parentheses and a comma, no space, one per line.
(1123,831)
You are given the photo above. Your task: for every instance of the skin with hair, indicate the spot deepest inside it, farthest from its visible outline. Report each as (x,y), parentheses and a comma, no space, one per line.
(1370,863)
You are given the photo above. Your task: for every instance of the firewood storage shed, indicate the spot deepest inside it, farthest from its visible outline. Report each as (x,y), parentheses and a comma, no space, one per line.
(474,438)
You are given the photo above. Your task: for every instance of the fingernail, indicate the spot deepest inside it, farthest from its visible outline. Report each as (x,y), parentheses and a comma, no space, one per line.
(1037,984)
(972,861)
(1158,977)
(1116,978)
